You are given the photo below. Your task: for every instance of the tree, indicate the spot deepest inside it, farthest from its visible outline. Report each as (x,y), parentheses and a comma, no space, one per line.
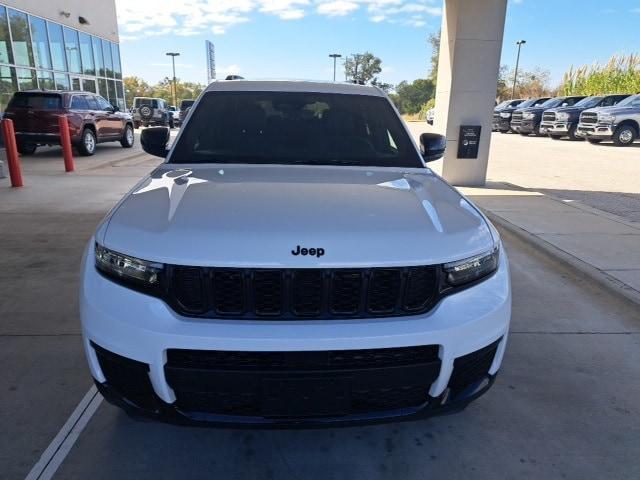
(362,67)
(136,87)
(434,41)
(410,97)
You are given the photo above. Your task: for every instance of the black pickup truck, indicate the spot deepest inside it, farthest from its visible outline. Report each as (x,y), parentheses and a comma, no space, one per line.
(502,115)
(526,121)
(514,120)
(563,121)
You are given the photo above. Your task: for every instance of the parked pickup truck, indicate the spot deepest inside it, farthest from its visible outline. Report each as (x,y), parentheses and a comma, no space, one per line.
(529,120)
(502,115)
(514,119)
(92,120)
(563,121)
(620,123)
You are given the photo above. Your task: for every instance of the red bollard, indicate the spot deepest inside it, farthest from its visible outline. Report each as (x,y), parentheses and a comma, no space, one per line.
(65,141)
(11,147)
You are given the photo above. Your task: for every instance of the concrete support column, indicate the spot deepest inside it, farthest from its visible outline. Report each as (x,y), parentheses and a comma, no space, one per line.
(468,68)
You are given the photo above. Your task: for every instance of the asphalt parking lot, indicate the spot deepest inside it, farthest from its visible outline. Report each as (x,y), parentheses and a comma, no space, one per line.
(564,406)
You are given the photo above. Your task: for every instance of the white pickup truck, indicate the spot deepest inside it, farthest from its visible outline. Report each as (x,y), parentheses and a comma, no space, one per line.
(294,261)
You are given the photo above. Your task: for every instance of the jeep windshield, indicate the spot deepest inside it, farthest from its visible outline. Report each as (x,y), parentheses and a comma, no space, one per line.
(295,128)
(36,101)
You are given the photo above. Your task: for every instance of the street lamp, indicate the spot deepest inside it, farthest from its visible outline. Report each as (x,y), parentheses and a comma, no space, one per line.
(335,56)
(173,56)
(515,76)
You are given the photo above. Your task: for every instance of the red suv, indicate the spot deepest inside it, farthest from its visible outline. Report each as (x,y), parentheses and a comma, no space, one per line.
(92,120)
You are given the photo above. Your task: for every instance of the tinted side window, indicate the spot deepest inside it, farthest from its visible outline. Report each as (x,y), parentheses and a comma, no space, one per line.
(103,104)
(79,102)
(92,103)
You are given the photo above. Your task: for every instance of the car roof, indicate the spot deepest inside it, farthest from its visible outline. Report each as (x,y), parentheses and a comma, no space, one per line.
(293,86)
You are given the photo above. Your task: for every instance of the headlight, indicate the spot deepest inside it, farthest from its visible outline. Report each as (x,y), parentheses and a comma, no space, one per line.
(505,115)
(125,268)
(528,115)
(471,269)
(563,117)
(606,118)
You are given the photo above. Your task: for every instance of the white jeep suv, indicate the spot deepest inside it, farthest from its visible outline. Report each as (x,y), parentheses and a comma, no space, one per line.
(293,261)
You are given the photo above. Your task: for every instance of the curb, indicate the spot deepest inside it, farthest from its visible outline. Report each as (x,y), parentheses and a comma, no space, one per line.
(609,283)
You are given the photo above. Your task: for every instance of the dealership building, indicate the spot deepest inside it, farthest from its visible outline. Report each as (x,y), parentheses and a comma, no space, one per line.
(60,45)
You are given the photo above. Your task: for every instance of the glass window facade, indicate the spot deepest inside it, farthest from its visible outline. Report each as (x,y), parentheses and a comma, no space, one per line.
(86,54)
(40,42)
(6,54)
(38,53)
(22,52)
(72,47)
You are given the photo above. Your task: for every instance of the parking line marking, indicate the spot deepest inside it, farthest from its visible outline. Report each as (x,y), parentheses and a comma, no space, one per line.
(61,445)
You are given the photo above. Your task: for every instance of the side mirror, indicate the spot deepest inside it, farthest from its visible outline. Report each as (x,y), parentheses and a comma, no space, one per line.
(154,141)
(116,108)
(432,146)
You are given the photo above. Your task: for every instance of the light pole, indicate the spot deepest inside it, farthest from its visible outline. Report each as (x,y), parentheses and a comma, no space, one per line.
(173,56)
(515,76)
(335,56)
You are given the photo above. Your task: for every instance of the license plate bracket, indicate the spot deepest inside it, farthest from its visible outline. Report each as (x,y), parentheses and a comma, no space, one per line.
(313,396)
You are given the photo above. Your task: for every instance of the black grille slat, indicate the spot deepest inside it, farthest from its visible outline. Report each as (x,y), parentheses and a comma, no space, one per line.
(384,290)
(307,292)
(268,290)
(302,293)
(421,288)
(589,118)
(471,368)
(330,359)
(549,117)
(188,289)
(237,382)
(346,292)
(228,292)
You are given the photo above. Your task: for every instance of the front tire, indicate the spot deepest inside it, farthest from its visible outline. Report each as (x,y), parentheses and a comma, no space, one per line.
(27,148)
(624,136)
(87,145)
(594,141)
(555,137)
(127,137)
(572,133)
(524,134)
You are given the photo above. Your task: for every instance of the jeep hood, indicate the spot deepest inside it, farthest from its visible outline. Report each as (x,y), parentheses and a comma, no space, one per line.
(255,215)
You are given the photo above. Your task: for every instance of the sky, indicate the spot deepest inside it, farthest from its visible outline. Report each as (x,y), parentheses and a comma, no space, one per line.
(293,38)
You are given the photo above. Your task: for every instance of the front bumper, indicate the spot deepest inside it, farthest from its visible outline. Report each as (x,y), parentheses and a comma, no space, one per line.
(502,125)
(555,128)
(595,130)
(525,126)
(143,331)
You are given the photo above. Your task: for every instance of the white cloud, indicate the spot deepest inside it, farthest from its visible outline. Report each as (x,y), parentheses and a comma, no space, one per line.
(228,70)
(338,8)
(143,18)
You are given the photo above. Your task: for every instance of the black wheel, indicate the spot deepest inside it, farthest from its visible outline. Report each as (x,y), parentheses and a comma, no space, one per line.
(594,141)
(572,133)
(624,136)
(555,137)
(136,125)
(27,148)
(171,124)
(127,137)
(87,145)
(524,134)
